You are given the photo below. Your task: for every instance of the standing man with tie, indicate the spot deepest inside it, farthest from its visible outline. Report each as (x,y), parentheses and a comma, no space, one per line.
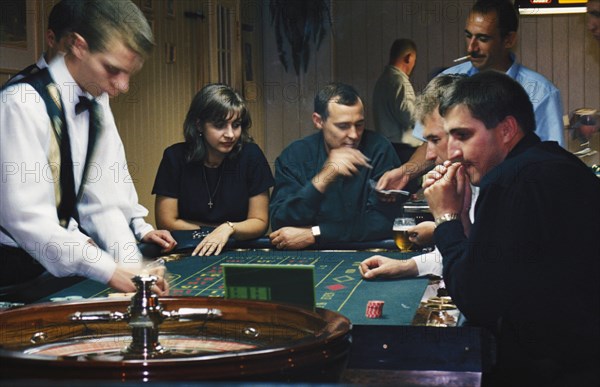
(62,209)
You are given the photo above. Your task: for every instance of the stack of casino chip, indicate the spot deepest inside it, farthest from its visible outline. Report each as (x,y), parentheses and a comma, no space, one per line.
(374,309)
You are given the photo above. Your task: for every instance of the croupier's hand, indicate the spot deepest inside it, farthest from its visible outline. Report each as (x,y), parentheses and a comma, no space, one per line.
(163,238)
(121,280)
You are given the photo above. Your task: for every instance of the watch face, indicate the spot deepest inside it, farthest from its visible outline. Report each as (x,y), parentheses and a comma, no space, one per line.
(316,231)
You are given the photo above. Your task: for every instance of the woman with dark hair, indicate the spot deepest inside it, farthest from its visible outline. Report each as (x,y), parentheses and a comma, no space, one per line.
(218,177)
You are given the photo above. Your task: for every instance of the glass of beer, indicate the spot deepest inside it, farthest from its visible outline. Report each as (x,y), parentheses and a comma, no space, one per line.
(401,233)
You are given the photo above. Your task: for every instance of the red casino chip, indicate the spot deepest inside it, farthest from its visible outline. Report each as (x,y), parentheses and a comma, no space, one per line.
(374,309)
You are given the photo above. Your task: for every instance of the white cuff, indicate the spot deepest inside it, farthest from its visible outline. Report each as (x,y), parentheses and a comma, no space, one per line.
(140,228)
(429,263)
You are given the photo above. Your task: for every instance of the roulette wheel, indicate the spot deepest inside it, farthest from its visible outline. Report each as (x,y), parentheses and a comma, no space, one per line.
(172,338)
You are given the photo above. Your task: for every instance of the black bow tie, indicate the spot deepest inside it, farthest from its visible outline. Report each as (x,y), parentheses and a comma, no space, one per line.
(84,104)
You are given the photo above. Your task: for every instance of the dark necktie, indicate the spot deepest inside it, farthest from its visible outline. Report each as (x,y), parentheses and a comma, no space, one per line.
(84,104)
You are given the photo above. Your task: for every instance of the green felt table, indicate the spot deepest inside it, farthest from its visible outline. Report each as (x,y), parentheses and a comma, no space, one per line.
(391,342)
(338,283)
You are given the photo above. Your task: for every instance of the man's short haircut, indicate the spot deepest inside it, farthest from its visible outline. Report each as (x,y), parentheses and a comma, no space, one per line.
(104,20)
(63,17)
(400,48)
(491,96)
(336,92)
(508,18)
(431,96)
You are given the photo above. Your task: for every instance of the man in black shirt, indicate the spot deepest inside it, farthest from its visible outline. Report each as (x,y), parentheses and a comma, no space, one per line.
(528,270)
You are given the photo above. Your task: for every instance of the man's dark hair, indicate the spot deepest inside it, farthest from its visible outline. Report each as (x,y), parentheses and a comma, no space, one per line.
(508,19)
(491,96)
(401,47)
(335,92)
(63,16)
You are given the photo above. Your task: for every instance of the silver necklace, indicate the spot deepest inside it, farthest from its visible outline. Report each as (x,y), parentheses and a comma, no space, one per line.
(210,196)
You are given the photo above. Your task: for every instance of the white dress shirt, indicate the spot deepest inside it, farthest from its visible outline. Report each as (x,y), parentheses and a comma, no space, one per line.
(108,205)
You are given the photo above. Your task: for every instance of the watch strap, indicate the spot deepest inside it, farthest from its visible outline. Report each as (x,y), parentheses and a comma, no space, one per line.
(446,218)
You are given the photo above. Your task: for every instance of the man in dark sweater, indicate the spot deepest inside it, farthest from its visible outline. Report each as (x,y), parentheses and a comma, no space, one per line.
(519,273)
(322,190)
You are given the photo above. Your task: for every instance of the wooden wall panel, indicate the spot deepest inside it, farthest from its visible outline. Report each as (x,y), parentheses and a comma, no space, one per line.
(420,20)
(150,116)
(273,75)
(375,51)
(559,57)
(386,23)
(430,50)
(322,68)
(543,33)
(360,61)
(342,47)
(526,48)
(576,63)
(252,34)
(591,73)
(289,96)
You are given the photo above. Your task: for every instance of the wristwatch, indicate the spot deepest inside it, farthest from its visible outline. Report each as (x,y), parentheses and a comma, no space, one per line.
(445,218)
(316,231)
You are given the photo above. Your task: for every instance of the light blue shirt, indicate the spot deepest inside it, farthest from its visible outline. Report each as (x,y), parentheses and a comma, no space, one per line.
(544,96)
